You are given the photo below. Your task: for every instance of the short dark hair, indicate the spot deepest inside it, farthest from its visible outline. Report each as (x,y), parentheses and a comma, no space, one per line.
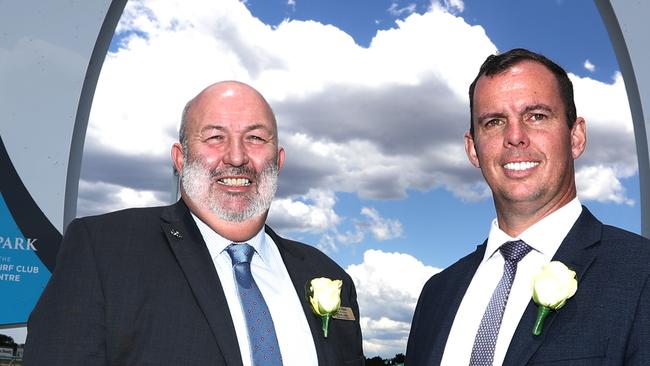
(496,64)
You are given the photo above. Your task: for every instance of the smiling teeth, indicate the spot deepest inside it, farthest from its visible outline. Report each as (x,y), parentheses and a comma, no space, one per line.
(523,165)
(235,181)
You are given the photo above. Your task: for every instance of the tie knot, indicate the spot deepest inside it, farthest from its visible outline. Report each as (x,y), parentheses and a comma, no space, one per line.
(240,253)
(514,251)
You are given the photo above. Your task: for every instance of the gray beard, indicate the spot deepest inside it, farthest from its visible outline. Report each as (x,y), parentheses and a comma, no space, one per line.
(197,183)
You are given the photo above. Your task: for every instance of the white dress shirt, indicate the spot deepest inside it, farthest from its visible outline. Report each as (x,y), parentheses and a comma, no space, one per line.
(294,336)
(545,238)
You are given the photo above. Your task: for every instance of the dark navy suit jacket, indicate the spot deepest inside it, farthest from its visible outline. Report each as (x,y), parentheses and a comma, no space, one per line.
(138,287)
(607,322)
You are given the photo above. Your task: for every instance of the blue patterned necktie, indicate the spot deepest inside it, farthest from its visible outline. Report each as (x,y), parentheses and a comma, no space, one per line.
(488,331)
(264,347)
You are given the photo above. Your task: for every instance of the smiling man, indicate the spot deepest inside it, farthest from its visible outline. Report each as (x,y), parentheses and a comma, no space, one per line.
(524,137)
(201,282)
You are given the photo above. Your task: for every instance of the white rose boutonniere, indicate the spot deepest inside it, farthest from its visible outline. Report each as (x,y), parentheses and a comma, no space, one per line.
(324,295)
(552,287)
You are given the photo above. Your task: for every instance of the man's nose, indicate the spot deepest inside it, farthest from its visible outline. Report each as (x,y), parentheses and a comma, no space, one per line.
(236,154)
(516,135)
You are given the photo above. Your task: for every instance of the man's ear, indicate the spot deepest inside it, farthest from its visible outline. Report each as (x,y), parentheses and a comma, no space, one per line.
(177,157)
(578,137)
(280,158)
(470,149)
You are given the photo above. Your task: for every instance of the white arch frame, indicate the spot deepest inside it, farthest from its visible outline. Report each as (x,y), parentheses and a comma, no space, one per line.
(628,29)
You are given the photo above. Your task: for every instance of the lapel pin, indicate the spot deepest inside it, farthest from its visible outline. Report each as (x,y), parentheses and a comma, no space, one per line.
(175,233)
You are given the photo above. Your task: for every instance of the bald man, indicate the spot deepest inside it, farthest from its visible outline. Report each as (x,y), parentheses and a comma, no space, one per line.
(172,285)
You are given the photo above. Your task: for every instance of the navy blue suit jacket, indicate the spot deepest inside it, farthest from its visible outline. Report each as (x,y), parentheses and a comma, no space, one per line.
(607,322)
(138,287)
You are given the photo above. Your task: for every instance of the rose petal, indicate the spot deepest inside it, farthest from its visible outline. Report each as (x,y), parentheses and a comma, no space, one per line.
(554,285)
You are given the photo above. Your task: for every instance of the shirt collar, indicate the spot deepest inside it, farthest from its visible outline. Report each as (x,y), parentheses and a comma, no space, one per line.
(218,244)
(544,236)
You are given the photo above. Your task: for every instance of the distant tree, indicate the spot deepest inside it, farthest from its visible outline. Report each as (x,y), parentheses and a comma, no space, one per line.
(375,361)
(399,358)
(6,341)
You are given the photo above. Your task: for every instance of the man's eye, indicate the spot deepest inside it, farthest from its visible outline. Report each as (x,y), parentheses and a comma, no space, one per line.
(257,139)
(493,122)
(537,117)
(215,138)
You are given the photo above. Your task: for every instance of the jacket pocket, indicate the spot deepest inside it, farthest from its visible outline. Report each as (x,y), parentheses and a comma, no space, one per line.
(584,353)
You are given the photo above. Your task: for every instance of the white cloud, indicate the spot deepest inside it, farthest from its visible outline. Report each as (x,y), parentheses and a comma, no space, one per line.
(388,286)
(453,6)
(600,183)
(396,10)
(589,66)
(100,197)
(381,228)
(611,151)
(313,212)
(356,121)
(376,121)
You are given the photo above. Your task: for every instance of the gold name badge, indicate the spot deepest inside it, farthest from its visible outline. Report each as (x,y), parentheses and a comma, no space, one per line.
(344,313)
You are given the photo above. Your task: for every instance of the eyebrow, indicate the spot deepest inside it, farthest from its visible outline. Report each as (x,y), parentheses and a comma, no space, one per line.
(489,115)
(538,107)
(528,109)
(256,126)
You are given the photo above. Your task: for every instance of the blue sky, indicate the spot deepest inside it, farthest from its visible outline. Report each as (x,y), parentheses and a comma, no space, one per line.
(437,227)
(371,103)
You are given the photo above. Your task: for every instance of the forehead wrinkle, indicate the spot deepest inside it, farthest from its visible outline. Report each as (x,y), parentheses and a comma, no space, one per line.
(212,127)
(259,126)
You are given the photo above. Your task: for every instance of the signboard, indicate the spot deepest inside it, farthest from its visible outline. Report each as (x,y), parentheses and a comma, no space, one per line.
(6,352)
(22,274)
(52,52)
(28,246)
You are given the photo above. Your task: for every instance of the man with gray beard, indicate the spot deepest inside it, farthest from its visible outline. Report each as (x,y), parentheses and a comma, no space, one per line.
(203,281)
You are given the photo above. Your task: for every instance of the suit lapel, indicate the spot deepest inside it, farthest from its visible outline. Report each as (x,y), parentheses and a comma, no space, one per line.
(193,257)
(300,273)
(459,287)
(574,252)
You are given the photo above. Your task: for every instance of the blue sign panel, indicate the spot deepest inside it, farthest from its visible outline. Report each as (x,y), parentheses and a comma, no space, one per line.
(28,246)
(22,274)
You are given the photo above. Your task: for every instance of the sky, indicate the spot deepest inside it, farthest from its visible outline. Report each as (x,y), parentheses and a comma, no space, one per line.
(371,102)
